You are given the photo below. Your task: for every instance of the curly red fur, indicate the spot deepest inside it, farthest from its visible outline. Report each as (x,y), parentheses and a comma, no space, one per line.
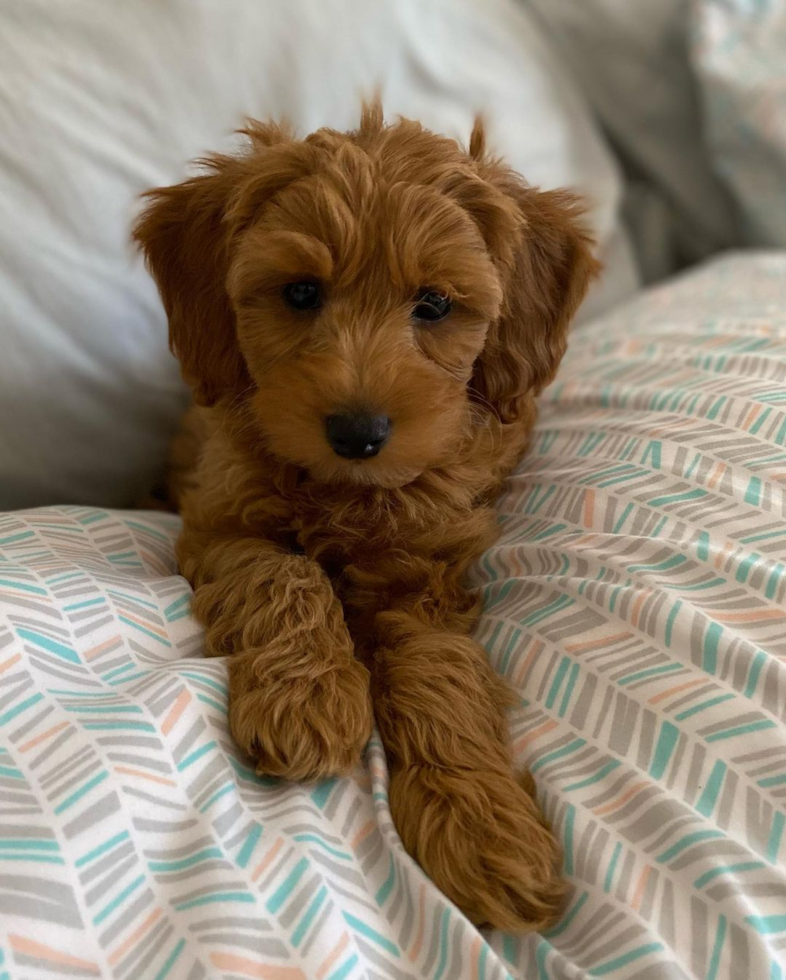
(336,584)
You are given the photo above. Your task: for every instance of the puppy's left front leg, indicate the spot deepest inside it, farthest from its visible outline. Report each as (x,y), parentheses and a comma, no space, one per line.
(457,804)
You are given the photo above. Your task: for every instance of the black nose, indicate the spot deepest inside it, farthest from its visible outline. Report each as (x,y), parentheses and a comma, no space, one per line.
(357,436)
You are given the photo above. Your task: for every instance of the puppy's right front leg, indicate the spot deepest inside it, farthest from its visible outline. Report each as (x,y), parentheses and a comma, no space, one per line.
(299,701)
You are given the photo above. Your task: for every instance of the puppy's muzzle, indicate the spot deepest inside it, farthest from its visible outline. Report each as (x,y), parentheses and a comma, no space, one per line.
(357,436)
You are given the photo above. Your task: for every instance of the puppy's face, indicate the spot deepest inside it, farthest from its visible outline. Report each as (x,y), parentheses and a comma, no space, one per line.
(366,292)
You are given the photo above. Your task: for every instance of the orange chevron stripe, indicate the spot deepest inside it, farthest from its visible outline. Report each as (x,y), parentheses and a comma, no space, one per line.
(26,746)
(524,741)
(98,650)
(362,834)
(601,642)
(331,958)
(750,615)
(31,947)
(415,948)
(620,800)
(589,508)
(253,968)
(128,771)
(676,690)
(177,709)
(135,936)
(267,859)
(638,894)
(7,664)
(521,671)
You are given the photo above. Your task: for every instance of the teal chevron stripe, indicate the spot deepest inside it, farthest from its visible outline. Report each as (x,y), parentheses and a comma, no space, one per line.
(616,964)
(697,837)
(557,683)
(663,566)
(143,629)
(309,916)
(697,708)
(216,897)
(769,781)
(710,647)
(29,843)
(345,969)
(195,756)
(219,793)
(755,669)
(387,885)
(754,726)
(678,498)
(285,889)
(171,960)
(107,910)
(650,672)
(102,848)
(776,835)
(709,796)
(544,760)
(670,622)
(23,587)
(574,673)
(251,841)
(767,924)
(365,930)
(732,870)
(667,740)
(322,792)
(82,791)
(314,839)
(594,778)
(59,649)
(567,919)
(206,854)
(612,867)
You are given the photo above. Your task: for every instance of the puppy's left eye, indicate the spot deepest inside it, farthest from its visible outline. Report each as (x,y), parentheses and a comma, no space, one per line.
(303,295)
(431,306)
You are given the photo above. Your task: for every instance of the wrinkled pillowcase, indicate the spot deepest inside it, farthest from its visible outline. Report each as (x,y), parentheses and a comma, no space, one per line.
(739,52)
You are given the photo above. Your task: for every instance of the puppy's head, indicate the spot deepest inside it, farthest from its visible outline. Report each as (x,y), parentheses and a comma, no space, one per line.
(368,293)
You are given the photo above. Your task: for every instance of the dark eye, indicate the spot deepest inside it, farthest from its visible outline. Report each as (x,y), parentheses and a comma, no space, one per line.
(303,295)
(431,306)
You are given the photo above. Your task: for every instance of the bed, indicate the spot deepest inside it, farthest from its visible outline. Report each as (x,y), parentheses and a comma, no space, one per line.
(635,601)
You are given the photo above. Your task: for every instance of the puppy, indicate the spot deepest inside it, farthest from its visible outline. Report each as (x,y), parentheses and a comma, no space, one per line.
(365,319)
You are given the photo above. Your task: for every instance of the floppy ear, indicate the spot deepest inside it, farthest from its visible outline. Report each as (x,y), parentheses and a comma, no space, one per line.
(185,238)
(546,264)
(186,234)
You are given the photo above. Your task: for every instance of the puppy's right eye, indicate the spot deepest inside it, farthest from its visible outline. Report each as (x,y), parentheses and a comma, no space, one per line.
(303,295)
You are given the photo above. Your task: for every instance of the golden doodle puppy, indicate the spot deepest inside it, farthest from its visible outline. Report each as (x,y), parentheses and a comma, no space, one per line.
(366,319)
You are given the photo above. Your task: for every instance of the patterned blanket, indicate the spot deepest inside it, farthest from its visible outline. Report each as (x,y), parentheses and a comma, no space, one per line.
(636,600)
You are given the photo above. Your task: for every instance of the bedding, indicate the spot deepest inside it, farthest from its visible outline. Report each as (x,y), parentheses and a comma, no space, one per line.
(99,102)
(632,60)
(739,53)
(636,601)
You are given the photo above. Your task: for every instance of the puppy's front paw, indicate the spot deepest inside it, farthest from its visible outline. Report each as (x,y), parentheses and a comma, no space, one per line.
(481,839)
(297,725)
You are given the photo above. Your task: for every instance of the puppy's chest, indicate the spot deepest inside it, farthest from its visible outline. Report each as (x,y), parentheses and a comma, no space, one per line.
(369,528)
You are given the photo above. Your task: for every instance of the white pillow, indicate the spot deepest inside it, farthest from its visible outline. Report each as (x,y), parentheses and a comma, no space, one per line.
(100,101)
(740,57)
(631,58)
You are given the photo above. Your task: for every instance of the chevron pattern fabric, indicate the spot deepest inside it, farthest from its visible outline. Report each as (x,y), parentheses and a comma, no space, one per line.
(637,602)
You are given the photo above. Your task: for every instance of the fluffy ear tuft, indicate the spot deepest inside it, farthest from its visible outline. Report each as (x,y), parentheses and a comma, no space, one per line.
(185,240)
(477,141)
(545,276)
